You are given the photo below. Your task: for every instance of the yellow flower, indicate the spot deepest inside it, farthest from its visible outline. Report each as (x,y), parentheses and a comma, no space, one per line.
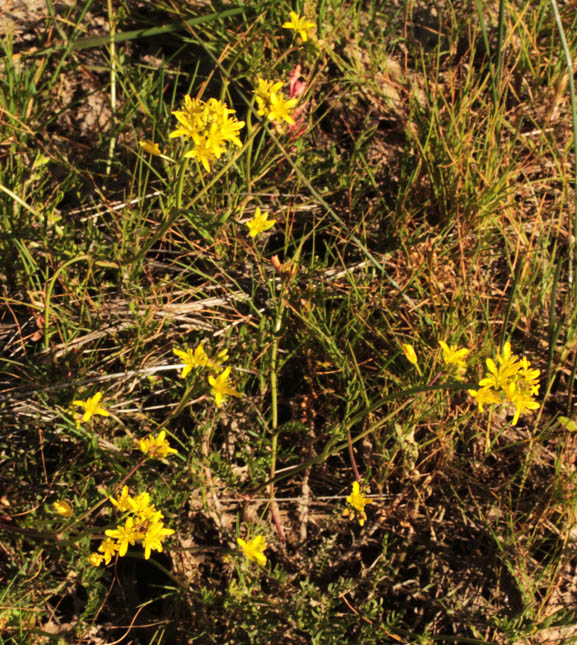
(259,223)
(521,399)
(499,377)
(529,376)
(190,119)
(220,387)
(509,380)
(454,358)
(62,507)
(199,358)
(151,147)
(144,524)
(410,354)
(125,535)
(210,125)
(254,549)
(140,503)
(95,559)
(153,537)
(144,510)
(108,548)
(156,446)
(358,503)
(271,104)
(300,24)
(485,396)
(124,502)
(91,407)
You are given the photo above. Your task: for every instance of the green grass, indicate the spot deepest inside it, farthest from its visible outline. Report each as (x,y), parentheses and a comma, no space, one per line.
(430,197)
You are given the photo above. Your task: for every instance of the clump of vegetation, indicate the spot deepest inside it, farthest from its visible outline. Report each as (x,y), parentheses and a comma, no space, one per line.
(342,219)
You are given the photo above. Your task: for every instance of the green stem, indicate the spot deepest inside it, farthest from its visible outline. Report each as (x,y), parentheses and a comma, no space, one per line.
(479,6)
(112,144)
(569,63)
(488,433)
(49,290)
(180,183)
(274,406)
(501,31)
(332,446)
(352,457)
(173,216)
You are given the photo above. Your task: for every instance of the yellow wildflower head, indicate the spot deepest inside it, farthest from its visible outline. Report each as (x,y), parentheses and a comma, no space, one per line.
(156,447)
(124,502)
(357,502)
(210,125)
(259,223)
(410,354)
(199,358)
(510,380)
(271,103)
(221,388)
(108,548)
(91,407)
(485,396)
(254,549)
(125,535)
(152,539)
(95,559)
(299,24)
(62,507)
(454,358)
(143,524)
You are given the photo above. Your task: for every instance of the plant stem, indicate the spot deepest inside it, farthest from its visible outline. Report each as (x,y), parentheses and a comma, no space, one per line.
(569,63)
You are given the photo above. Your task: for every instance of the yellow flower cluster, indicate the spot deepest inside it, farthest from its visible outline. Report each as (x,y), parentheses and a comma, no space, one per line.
(357,502)
(210,125)
(454,359)
(196,358)
(156,447)
(509,380)
(273,105)
(144,524)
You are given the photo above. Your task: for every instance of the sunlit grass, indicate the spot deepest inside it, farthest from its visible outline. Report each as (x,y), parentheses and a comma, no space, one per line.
(256,379)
